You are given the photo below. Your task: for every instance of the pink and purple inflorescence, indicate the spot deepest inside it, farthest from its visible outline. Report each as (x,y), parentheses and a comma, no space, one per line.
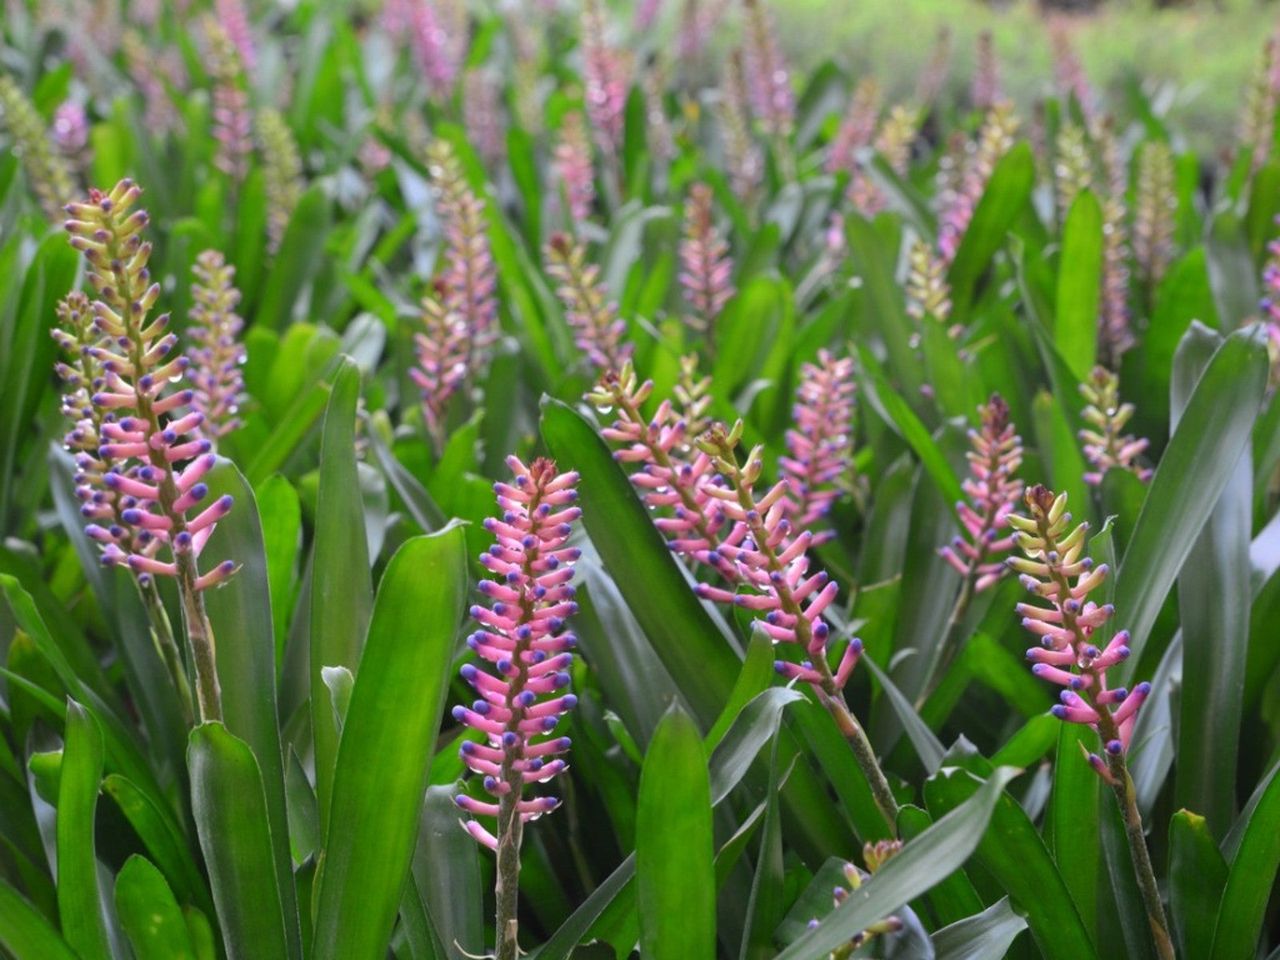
(522,644)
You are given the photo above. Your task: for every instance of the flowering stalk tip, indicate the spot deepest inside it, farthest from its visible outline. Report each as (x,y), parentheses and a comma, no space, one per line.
(1105,446)
(152,437)
(598,330)
(1060,578)
(217,359)
(706,267)
(521,678)
(46,169)
(993,492)
(820,444)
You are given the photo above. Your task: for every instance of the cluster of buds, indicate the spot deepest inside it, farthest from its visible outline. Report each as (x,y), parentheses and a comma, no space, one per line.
(438,39)
(1068,72)
(743,158)
(604,70)
(78,336)
(1072,168)
(693,395)
(469,279)
(1258,112)
(574,168)
(281,171)
(1156,206)
(1105,445)
(857,128)
(46,170)
(772,564)
(875,856)
(864,195)
(1270,303)
(994,140)
(482,106)
(523,649)
(148,73)
(1115,335)
(157,454)
(1067,654)
(993,491)
(706,267)
(772,99)
(598,330)
(218,355)
(698,20)
(70,132)
(674,477)
(820,443)
(928,293)
(897,135)
(232,118)
(986,90)
(234,18)
(444,349)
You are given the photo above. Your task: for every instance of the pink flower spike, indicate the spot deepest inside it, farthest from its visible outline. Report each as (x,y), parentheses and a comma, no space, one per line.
(1074,661)
(820,444)
(523,668)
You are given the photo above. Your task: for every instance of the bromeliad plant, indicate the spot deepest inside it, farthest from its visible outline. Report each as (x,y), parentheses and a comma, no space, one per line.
(744,619)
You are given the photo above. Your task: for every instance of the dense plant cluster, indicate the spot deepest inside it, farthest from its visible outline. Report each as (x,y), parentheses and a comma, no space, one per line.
(555,479)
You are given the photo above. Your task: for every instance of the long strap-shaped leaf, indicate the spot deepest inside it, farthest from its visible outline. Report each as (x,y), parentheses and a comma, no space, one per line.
(675,876)
(1193,472)
(1256,838)
(24,931)
(230,810)
(388,739)
(341,594)
(79,903)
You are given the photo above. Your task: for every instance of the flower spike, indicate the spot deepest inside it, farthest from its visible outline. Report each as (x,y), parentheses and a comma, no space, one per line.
(574,168)
(1060,577)
(522,675)
(599,332)
(46,170)
(820,445)
(1104,445)
(158,454)
(993,493)
(215,327)
(444,363)
(706,267)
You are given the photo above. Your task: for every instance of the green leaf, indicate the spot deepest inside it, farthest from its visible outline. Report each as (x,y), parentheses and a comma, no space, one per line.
(149,914)
(281,517)
(885,302)
(1073,812)
(1197,875)
(1013,853)
(1075,326)
(1007,193)
(928,748)
(940,850)
(341,593)
(386,747)
(445,886)
(240,612)
(1214,597)
(897,413)
(675,874)
(167,847)
(766,907)
(24,931)
(1196,467)
(1252,874)
(984,936)
(79,901)
(230,811)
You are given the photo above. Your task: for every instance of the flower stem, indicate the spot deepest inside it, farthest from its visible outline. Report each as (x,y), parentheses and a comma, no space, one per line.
(166,646)
(507,888)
